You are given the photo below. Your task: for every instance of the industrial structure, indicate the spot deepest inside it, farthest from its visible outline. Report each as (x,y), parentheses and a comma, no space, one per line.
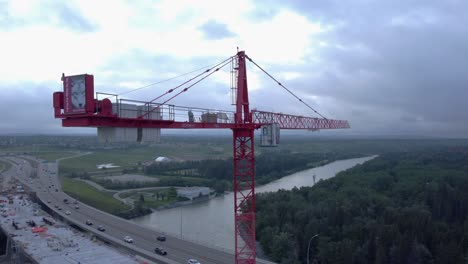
(34,236)
(130,120)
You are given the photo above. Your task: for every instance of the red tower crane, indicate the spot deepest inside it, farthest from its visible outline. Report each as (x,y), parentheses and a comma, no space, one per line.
(77,107)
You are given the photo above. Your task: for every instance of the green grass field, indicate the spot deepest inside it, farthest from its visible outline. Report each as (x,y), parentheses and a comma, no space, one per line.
(150,200)
(122,158)
(91,196)
(53,155)
(131,156)
(128,158)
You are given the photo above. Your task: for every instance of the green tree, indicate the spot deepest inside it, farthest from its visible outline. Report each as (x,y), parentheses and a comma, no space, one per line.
(172,193)
(402,207)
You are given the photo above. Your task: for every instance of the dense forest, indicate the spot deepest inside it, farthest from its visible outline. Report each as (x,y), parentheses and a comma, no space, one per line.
(402,207)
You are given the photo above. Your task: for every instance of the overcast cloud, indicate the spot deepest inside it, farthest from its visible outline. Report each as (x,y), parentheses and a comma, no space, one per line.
(389,67)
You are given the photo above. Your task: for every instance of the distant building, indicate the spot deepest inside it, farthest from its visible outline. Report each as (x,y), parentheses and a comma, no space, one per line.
(162,159)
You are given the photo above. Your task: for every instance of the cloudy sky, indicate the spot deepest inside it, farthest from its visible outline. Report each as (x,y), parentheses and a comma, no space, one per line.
(390,67)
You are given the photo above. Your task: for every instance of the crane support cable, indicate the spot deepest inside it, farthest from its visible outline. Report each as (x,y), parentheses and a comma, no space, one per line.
(280,84)
(186,88)
(175,88)
(191,79)
(172,78)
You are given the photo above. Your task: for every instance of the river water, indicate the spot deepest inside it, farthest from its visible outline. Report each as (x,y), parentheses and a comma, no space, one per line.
(212,222)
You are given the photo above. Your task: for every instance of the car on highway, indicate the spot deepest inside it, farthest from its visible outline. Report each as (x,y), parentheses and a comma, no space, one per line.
(101,228)
(128,239)
(161,238)
(160,251)
(59,209)
(193,261)
(56,206)
(89,222)
(68,213)
(77,207)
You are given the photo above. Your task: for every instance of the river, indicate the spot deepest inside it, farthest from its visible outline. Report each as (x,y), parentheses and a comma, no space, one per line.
(212,222)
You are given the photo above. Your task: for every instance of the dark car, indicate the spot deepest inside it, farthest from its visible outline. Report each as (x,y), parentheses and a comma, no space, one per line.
(88,222)
(160,251)
(161,238)
(101,228)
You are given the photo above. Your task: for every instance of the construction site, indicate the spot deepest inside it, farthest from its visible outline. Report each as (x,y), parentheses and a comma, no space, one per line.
(31,235)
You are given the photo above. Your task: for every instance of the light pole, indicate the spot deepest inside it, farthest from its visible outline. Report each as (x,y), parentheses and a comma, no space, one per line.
(308,247)
(181,222)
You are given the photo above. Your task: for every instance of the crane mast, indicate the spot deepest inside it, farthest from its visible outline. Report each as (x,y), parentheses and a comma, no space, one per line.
(77,107)
(243,171)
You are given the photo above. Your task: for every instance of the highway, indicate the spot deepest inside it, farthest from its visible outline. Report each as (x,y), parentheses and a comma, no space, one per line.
(45,185)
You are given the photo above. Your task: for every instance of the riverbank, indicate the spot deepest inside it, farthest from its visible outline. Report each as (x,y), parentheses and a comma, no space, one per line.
(151,201)
(265,173)
(214,219)
(131,196)
(186,203)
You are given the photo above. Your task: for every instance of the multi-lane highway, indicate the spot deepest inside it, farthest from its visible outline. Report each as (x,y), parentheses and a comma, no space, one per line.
(48,189)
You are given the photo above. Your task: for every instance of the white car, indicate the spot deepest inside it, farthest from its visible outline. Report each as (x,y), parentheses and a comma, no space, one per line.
(193,261)
(67,212)
(128,239)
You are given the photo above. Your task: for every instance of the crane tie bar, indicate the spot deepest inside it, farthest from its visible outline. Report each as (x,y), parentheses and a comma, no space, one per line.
(289,91)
